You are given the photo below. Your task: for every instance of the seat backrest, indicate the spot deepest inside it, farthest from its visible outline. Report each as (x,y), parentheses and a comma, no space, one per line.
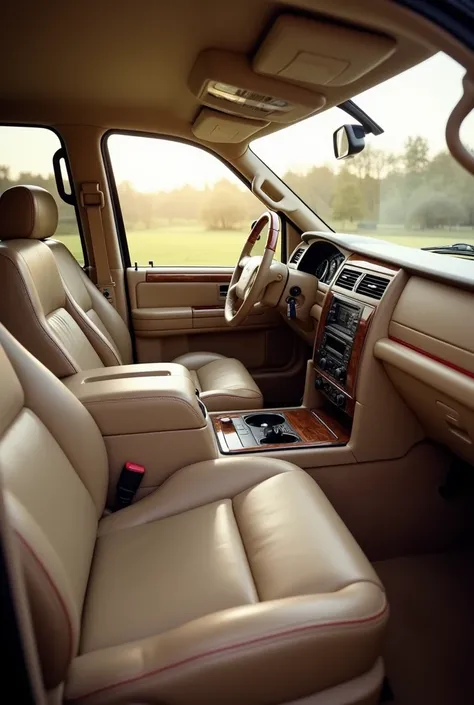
(92,306)
(54,473)
(46,300)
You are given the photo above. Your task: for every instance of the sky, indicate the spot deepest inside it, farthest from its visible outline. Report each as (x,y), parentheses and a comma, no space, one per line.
(417,102)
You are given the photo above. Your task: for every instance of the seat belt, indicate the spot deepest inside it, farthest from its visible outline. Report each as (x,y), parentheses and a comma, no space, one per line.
(92,200)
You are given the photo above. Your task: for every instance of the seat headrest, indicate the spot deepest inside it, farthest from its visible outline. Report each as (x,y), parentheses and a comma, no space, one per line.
(27,212)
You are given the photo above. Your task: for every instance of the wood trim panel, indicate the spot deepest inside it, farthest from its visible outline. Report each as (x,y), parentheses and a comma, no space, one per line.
(273,230)
(322,323)
(340,430)
(368,263)
(441,361)
(207,277)
(357,346)
(315,428)
(208,308)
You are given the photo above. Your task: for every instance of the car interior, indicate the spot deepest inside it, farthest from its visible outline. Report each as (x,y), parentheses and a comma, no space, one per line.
(236,459)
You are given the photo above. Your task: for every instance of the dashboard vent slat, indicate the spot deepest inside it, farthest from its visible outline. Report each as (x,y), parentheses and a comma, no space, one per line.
(372,286)
(347,278)
(295,258)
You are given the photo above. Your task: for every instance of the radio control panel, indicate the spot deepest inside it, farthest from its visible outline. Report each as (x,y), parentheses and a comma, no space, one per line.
(331,392)
(334,348)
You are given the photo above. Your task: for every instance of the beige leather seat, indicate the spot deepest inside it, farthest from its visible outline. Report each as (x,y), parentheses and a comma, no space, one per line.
(235,582)
(62,318)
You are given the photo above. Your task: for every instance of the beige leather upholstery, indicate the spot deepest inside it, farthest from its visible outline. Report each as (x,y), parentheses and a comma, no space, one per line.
(51,306)
(35,307)
(142,403)
(234,582)
(27,212)
(223,383)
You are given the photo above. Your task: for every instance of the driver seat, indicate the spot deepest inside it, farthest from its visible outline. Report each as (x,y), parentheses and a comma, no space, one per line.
(50,305)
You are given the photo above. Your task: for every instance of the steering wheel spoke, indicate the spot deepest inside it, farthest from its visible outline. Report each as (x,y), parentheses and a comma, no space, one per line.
(251,273)
(232,290)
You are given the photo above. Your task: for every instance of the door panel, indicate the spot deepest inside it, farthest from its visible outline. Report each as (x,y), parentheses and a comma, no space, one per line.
(179,310)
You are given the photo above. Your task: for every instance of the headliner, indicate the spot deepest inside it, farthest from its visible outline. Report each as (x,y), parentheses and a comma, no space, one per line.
(124,63)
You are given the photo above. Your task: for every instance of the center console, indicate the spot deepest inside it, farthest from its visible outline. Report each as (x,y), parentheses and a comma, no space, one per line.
(283,429)
(338,347)
(148,414)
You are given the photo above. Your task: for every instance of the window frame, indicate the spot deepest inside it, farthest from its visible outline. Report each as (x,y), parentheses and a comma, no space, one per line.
(117,211)
(63,146)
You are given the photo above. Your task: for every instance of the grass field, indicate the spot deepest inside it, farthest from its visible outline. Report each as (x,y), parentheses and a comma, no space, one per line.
(190,245)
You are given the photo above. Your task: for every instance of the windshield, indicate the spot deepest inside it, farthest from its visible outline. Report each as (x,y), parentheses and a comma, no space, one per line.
(404,186)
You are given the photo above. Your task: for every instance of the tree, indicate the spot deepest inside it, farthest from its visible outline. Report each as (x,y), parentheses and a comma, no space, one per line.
(415,157)
(347,202)
(224,206)
(436,210)
(372,162)
(315,188)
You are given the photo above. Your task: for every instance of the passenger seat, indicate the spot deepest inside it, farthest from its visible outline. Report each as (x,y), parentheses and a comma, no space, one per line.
(235,582)
(50,305)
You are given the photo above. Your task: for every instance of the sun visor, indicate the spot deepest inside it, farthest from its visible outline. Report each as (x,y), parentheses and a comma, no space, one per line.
(320,53)
(226,81)
(213,126)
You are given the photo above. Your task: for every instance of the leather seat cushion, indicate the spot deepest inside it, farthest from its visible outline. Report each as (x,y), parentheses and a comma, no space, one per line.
(148,579)
(224,383)
(230,567)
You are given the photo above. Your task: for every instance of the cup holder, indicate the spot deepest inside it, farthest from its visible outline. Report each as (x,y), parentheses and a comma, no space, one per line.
(280,438)
(258,420)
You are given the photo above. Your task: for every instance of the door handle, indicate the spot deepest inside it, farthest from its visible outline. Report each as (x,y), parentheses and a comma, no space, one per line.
(223,289)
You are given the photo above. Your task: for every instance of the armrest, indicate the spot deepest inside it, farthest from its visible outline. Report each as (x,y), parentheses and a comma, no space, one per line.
(139,398)
(147,369)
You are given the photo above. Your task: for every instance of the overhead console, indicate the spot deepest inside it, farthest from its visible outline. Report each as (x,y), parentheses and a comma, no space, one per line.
(296,67)
(348,310)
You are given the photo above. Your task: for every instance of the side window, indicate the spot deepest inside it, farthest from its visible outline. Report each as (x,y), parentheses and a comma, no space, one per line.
(180,205)
(26,157)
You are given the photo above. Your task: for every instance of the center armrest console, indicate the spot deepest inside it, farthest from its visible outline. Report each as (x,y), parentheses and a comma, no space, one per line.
(148,414)
(126,400)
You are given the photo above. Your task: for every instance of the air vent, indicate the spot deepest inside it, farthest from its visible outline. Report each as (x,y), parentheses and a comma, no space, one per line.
(347,278)
(297,255)
(372,286)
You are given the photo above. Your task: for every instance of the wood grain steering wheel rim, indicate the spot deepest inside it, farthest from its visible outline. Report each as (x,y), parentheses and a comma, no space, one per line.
(251,273)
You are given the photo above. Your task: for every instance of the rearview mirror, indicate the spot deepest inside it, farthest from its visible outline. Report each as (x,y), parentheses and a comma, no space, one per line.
(348,140)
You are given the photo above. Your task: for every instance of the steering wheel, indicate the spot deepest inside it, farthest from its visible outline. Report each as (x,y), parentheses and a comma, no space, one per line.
(252,273)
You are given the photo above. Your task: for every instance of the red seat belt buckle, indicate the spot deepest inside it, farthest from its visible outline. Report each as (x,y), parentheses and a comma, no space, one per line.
(128,484)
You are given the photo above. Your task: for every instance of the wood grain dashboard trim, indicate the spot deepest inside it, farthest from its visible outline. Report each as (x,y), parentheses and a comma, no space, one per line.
(429,355)
(315,427)
(357,346)
(208,277)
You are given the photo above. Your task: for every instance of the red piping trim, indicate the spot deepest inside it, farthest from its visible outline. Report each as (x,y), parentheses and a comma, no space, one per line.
(441,361)
(55,590)
(231,647)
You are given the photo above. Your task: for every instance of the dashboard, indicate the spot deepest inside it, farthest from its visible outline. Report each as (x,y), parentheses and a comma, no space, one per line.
(326,270)
(322,259)
(391,348)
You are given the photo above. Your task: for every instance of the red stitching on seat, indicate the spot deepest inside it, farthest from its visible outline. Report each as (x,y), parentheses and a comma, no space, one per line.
(55,590)
(231,647)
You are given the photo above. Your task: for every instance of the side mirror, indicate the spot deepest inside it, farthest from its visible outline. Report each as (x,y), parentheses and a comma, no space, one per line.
(348,141)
